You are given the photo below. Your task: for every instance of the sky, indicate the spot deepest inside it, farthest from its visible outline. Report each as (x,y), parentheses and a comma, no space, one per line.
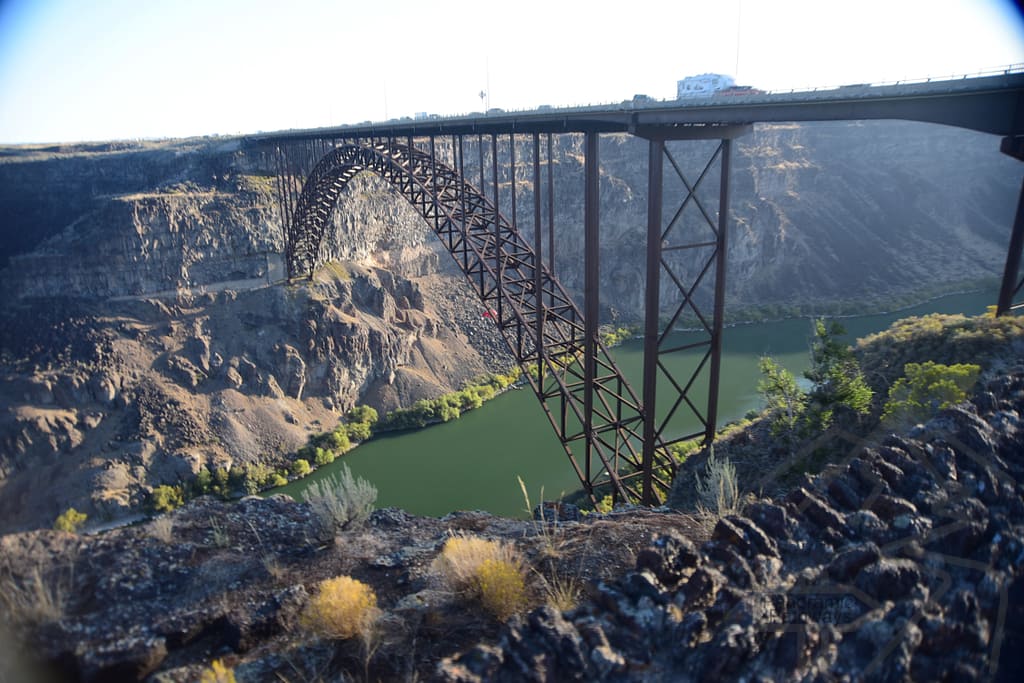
(77,70)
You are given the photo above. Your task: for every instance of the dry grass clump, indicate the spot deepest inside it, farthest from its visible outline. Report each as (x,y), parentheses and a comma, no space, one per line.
(489,571)
(502,588)
(217,673)
(30,601)
(162,529)
(343,608)
(561,591)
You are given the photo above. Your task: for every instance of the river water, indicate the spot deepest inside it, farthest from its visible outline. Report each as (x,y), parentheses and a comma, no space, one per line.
(473,462)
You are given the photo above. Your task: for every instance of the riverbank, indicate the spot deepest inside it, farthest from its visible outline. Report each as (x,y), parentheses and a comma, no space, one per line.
(474,462)
(754,315)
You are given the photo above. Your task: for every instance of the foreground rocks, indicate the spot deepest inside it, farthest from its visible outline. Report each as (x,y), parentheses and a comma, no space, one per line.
(161,600)
(903,562)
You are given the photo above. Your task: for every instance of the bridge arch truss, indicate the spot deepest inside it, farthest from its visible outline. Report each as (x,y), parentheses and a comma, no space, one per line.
(615,439)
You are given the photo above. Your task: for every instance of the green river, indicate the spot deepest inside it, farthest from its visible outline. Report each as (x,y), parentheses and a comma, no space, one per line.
(472,463)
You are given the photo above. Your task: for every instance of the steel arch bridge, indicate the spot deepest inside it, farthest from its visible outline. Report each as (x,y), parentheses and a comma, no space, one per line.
(612,438)
(584,395)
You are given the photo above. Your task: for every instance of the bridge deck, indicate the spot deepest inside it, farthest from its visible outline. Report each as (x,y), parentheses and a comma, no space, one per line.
(993,104)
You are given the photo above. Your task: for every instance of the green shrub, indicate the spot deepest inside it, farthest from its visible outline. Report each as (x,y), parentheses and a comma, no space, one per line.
(70,520)
(165,498)
(358,431)
(681,450)
(257,476)
(613,336)
(469,400)
(484,392)
(203,482)
(220,481)
(782,395)
(836,374)
(927,388)
(339,441)
(323,457)
(276,479)
(365,414)
(301,468)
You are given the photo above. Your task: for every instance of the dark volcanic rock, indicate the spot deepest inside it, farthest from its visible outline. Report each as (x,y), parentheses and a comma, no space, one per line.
(889,579)
(909,593)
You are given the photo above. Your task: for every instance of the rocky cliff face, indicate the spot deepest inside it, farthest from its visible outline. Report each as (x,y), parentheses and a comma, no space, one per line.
(147,392)
(153,336)
(826,212)
(857,213)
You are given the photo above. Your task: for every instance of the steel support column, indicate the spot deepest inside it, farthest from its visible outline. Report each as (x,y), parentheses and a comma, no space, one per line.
(551,211)
(719,306)
(704,238)
(497,226)
(652,299)
(1011,272)
(538,280)
(591,305)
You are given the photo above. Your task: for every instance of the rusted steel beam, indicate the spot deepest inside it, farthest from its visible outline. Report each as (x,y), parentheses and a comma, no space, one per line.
(551,210)
(652,304)
(1012,281)
(591,275)
(719,305)
(538,242)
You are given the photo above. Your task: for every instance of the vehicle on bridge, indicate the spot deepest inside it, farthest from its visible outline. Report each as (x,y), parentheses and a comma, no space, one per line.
(704,85)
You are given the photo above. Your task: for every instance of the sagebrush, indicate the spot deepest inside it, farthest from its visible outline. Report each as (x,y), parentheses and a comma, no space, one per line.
(718,492)
(926,388)
(342,501)
(502,588)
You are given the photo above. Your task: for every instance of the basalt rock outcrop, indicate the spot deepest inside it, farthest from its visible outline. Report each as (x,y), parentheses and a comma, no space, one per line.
(903,562)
